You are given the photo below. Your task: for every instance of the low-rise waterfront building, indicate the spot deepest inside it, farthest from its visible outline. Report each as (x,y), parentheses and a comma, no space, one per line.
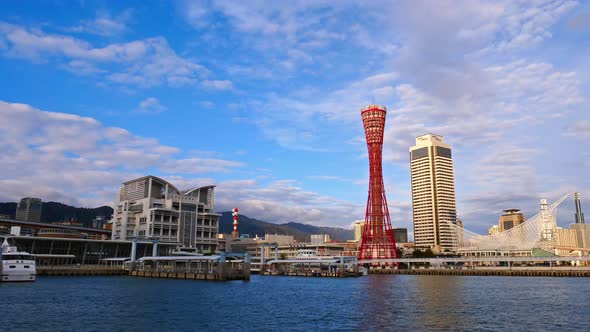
(567,240)
(279,239)
(400,235)
(494,230)
(99,222)
(222,242)
(152,208)
(256,245)
(582,234)
(318,239)
(56,251)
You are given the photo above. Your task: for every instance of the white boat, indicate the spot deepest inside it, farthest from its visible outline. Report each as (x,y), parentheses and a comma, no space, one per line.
(308,254)
(364,271)
(15,265)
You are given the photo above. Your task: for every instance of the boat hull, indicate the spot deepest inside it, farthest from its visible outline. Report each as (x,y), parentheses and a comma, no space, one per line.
(17,277)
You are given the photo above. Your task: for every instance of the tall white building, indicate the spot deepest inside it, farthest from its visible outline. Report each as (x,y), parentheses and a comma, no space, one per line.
(433,193)
(29,209)
(152,208)
(358,230)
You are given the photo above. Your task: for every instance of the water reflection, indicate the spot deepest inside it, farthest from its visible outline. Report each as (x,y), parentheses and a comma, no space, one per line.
(414,303)
(442,303)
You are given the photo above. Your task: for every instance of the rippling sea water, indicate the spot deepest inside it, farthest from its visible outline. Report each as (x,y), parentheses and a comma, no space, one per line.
(372,303)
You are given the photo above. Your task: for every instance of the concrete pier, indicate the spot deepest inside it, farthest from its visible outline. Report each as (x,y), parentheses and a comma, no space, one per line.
(193,267)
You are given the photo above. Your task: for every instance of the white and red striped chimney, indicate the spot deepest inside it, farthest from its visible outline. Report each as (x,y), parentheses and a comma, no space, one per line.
(235,215)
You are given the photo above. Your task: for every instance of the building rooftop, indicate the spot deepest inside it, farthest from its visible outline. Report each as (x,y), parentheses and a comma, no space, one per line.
(430,134)
(511,211)
(430,140)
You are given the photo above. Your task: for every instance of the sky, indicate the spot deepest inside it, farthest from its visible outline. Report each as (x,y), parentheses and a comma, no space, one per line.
(263,99)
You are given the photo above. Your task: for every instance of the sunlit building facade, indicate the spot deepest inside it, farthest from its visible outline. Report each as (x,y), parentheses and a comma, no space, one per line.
(151,208)
(433,193)
(358,230)
(510,218)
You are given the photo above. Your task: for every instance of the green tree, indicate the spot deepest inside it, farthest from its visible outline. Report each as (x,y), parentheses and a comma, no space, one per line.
(418,253)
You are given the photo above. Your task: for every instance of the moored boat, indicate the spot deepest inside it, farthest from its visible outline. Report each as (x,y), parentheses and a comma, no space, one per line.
(16,265)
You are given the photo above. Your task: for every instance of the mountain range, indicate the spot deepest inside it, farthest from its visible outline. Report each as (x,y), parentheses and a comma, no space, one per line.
(301,232)
(55,211)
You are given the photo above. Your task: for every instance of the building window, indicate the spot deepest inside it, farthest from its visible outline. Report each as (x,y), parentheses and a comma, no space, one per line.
(420,153)
(443,152)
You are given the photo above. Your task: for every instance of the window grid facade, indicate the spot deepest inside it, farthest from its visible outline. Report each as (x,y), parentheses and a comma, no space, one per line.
(433,193)
(151,208)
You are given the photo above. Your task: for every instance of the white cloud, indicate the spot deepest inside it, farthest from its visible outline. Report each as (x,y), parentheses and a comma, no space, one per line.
(580,129)
(284,201)
(218,84)
(278,201)
(151,105)
(505,101)
(199,165)
(286,32)
(78,160)
(145,63)
(104,24)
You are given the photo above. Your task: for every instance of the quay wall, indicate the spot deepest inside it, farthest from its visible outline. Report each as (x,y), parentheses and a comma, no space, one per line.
(312,274)
(80,271)
(490,272)
(189,276)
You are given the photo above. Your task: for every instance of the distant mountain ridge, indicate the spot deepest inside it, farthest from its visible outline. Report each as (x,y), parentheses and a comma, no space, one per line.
(301,232)
(55,211)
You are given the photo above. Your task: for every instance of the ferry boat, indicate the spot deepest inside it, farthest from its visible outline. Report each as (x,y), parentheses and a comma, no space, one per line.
(309,254)
(15,265)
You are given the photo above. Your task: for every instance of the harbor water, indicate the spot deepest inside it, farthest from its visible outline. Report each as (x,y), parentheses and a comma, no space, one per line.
(372,303)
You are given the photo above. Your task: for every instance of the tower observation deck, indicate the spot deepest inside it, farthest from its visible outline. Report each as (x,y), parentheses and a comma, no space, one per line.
(377,241)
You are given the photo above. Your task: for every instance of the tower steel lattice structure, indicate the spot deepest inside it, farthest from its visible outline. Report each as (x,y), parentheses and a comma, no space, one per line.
(377,241)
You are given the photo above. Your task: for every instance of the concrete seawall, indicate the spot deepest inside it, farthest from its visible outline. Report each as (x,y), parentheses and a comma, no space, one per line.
(190,276)
(495,272)
(68,271)
(312,274)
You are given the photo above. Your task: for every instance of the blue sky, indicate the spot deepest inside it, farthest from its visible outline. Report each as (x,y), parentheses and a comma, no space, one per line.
(262,99)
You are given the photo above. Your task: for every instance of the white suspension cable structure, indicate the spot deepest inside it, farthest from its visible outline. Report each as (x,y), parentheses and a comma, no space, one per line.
(540,231)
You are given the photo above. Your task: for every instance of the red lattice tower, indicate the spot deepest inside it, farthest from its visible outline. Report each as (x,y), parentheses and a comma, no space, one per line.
(377,241)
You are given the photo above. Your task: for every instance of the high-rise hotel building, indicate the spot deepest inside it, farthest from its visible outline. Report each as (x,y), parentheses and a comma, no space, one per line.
(29,209)
(433,193)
